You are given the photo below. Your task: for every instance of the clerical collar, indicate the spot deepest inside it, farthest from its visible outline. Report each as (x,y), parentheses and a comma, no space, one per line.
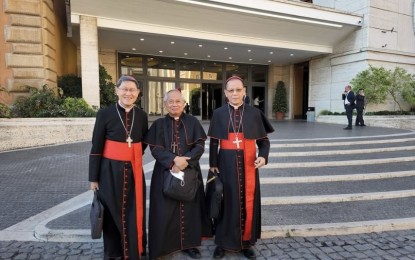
(236,107)
(175,117)
(126,109)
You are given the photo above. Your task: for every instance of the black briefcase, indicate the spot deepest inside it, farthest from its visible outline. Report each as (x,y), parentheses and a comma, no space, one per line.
(214,195)
(96,216)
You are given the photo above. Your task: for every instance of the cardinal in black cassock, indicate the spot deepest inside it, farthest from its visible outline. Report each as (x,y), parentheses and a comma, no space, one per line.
(115,168)
(175,225)
(235,130)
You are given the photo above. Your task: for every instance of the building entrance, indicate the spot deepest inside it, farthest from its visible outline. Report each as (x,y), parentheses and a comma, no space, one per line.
(211,99)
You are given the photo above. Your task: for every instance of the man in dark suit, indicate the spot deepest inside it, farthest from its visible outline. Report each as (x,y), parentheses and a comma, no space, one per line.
(348,99)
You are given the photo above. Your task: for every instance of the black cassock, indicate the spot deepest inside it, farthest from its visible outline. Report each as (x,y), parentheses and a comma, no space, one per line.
(116,180)
(175,225)
(230,226)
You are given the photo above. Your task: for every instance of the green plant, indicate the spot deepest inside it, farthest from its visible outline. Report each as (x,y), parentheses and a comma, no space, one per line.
(408,93)
(280,98)
(5,111)
(71,85)
(324,112)
(375,81)
(106,88)
(77,107)
(40,103)
(400,80)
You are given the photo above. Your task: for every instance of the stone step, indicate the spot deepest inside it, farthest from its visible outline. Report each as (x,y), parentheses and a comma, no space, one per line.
(336,170)
(350,211)
(338,187)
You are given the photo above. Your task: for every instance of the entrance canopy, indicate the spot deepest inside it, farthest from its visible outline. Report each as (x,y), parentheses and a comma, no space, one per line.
(243,31)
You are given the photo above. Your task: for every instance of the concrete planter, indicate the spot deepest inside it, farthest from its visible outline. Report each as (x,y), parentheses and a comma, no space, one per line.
(17,133)
(401,122)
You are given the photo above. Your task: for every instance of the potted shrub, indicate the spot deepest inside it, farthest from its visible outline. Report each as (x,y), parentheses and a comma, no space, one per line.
(279,105)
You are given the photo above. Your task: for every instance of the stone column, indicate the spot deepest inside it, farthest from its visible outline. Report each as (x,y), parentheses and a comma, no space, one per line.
(89,60)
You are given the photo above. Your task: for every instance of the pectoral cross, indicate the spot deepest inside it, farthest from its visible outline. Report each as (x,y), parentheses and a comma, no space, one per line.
(174,145)
(237,141)
(129,140)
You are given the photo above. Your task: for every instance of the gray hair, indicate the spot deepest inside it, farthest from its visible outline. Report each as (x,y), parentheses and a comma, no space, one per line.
(166,96)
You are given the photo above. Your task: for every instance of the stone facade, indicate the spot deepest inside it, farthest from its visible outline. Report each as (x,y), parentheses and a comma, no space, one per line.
(386,39)
(32,47)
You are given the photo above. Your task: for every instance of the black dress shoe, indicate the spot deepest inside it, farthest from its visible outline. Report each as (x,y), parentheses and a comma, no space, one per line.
(363,125)
(193,253)
(348,128)
(219,252)
(249,253)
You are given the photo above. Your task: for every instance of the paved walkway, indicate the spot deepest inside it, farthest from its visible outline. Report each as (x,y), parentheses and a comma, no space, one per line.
(322,185)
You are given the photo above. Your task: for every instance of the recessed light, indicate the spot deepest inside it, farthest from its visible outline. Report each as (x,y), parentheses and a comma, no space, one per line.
(142,39)
(250,59)
(271,52)
(185,53)
(225,48)
(249,50)
(230,58)
(200,45)
(133,49)
(172,42)
(291,54)
(269,60)
(208,56)
(161,51)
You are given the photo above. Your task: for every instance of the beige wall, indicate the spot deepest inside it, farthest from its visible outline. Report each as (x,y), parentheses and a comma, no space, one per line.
(375,43)
(34,50)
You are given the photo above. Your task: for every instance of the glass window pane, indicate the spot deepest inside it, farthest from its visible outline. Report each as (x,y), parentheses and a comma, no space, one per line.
(259,73)
(131,65)
(189,69)
(161,67)
(191,92)
(212,71)
(156,91)
(237,70)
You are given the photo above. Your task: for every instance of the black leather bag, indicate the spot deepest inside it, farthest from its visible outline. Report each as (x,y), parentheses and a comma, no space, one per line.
(96,217)
(181,190)
(214,195)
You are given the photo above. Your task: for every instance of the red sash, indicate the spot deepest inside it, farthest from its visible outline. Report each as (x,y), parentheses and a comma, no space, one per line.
(249,147)
(121,152)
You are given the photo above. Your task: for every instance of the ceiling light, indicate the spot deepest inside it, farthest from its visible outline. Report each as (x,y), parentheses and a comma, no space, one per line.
(200,45)
(230,58)
(161,51)
(142,39)
(185,54)
(225,48)
(208,56)
(250,59)
(172,42)
(269,60)
(133,49)
(249,11)
(291,54)
(249,50)
(271,52)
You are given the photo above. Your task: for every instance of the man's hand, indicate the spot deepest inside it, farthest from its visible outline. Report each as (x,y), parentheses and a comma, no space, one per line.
(94,186)
(181,162)
(214,169)
(259,162)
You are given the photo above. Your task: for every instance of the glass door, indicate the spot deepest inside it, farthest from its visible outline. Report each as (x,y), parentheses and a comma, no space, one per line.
(211,99)
(191,92)
(156,91)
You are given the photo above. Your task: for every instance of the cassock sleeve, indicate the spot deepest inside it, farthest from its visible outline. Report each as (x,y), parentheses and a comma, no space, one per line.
(213,152)
(198,141)
(98,142)
(263,148)
(144,131)
(155,139)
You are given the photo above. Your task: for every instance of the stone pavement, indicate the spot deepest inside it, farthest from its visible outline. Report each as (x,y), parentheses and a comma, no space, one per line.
(308,194)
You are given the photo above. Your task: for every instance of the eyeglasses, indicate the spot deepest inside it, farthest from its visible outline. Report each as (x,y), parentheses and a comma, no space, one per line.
(237,90)
(131,90)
